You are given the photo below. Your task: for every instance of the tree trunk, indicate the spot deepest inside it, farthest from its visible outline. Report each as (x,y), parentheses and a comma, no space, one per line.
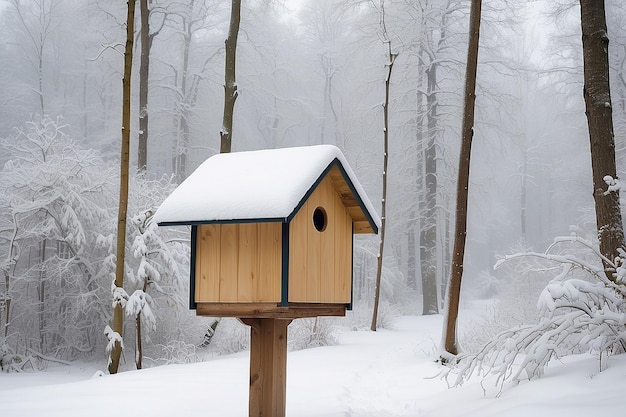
(600,121)
(411,254)
(460,227)
(182,111)
(230,86)
(118,314)
(428,234)
(144,71)
(524,196)
(139,346)
(379,270)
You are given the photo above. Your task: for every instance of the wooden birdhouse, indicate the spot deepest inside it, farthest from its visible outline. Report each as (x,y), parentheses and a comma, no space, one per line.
(271,241)
(272,232)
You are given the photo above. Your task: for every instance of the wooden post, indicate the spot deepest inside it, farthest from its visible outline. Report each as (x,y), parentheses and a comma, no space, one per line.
(268,366)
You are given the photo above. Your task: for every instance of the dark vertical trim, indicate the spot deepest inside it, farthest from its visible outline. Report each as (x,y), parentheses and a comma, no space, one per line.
(284,291)
(192,268)
(352,271)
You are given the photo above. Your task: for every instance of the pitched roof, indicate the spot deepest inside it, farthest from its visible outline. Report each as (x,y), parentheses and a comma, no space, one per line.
(265,185)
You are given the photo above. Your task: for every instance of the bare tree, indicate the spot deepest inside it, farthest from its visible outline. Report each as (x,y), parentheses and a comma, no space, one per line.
(435,19)
(389,65)
(37,35)
(230,81)
(144,72)
(597,96)
(460,229)
(115,337)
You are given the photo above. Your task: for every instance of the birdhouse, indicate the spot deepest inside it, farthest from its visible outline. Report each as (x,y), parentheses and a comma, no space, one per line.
(271,241)
(272,232)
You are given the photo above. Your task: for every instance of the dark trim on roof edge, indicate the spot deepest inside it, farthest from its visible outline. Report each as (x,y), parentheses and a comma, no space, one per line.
(232,221)
(336,162)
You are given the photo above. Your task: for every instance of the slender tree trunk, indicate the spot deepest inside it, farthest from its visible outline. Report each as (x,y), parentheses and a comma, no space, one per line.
(230,86)
(182,111)
(379,270)
(428,234)
(118,314)
(460,227)
(40,74)
(42,297)
(600,121)
(411,254)
(9,271)
(139,353)
(524,195)
(144,72)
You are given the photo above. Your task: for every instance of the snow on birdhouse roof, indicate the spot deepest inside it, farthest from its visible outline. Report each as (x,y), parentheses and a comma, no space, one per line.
(268,185)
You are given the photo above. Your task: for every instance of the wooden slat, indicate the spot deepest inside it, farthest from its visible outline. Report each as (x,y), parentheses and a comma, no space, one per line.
(208,263)
(362,227)
(350,201)
(270,245)
(229,262)
(269,310)
(314,242)
(327,276)
(343,287)
(247,263)
(298,256)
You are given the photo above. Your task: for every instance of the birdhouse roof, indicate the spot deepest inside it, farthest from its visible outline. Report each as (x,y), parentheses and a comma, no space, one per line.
(265,185)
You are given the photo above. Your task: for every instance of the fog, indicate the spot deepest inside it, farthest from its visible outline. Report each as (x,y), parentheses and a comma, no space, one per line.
(312,72)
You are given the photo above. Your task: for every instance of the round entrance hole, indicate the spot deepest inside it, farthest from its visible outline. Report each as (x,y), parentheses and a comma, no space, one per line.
(319,219)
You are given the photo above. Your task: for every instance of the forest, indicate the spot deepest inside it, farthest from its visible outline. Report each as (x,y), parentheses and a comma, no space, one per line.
(308,72)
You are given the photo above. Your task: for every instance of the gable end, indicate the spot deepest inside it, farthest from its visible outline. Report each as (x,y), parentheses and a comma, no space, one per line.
(363,221)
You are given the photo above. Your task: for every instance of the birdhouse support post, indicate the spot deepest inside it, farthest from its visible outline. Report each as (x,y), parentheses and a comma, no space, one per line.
(268,366)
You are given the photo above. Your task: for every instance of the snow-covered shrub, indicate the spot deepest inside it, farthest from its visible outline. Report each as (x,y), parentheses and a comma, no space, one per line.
(311,332)
(174,352)
(54,198)
(156,271)
(230,336)
(519,283)
(58,210)
(581,311)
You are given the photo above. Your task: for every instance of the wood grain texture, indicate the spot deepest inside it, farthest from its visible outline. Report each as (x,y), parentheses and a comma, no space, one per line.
(238,263)
(229,270)
(319,270)
(207,263)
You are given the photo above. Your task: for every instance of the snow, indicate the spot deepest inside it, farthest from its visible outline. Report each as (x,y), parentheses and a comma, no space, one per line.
(388,373)
(265,184)
(613,183)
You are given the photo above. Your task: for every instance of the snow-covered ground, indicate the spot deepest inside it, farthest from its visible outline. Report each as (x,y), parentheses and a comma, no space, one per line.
(387,373)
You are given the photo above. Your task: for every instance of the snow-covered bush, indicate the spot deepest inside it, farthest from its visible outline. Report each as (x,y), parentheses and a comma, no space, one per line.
(519,283)
(311,332)
(58,207)
(54,199)
(581,311)
(156,284)
(230,336)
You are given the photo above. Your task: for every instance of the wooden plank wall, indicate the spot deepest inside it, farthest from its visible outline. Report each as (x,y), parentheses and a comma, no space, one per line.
(320,264)
(238,263)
